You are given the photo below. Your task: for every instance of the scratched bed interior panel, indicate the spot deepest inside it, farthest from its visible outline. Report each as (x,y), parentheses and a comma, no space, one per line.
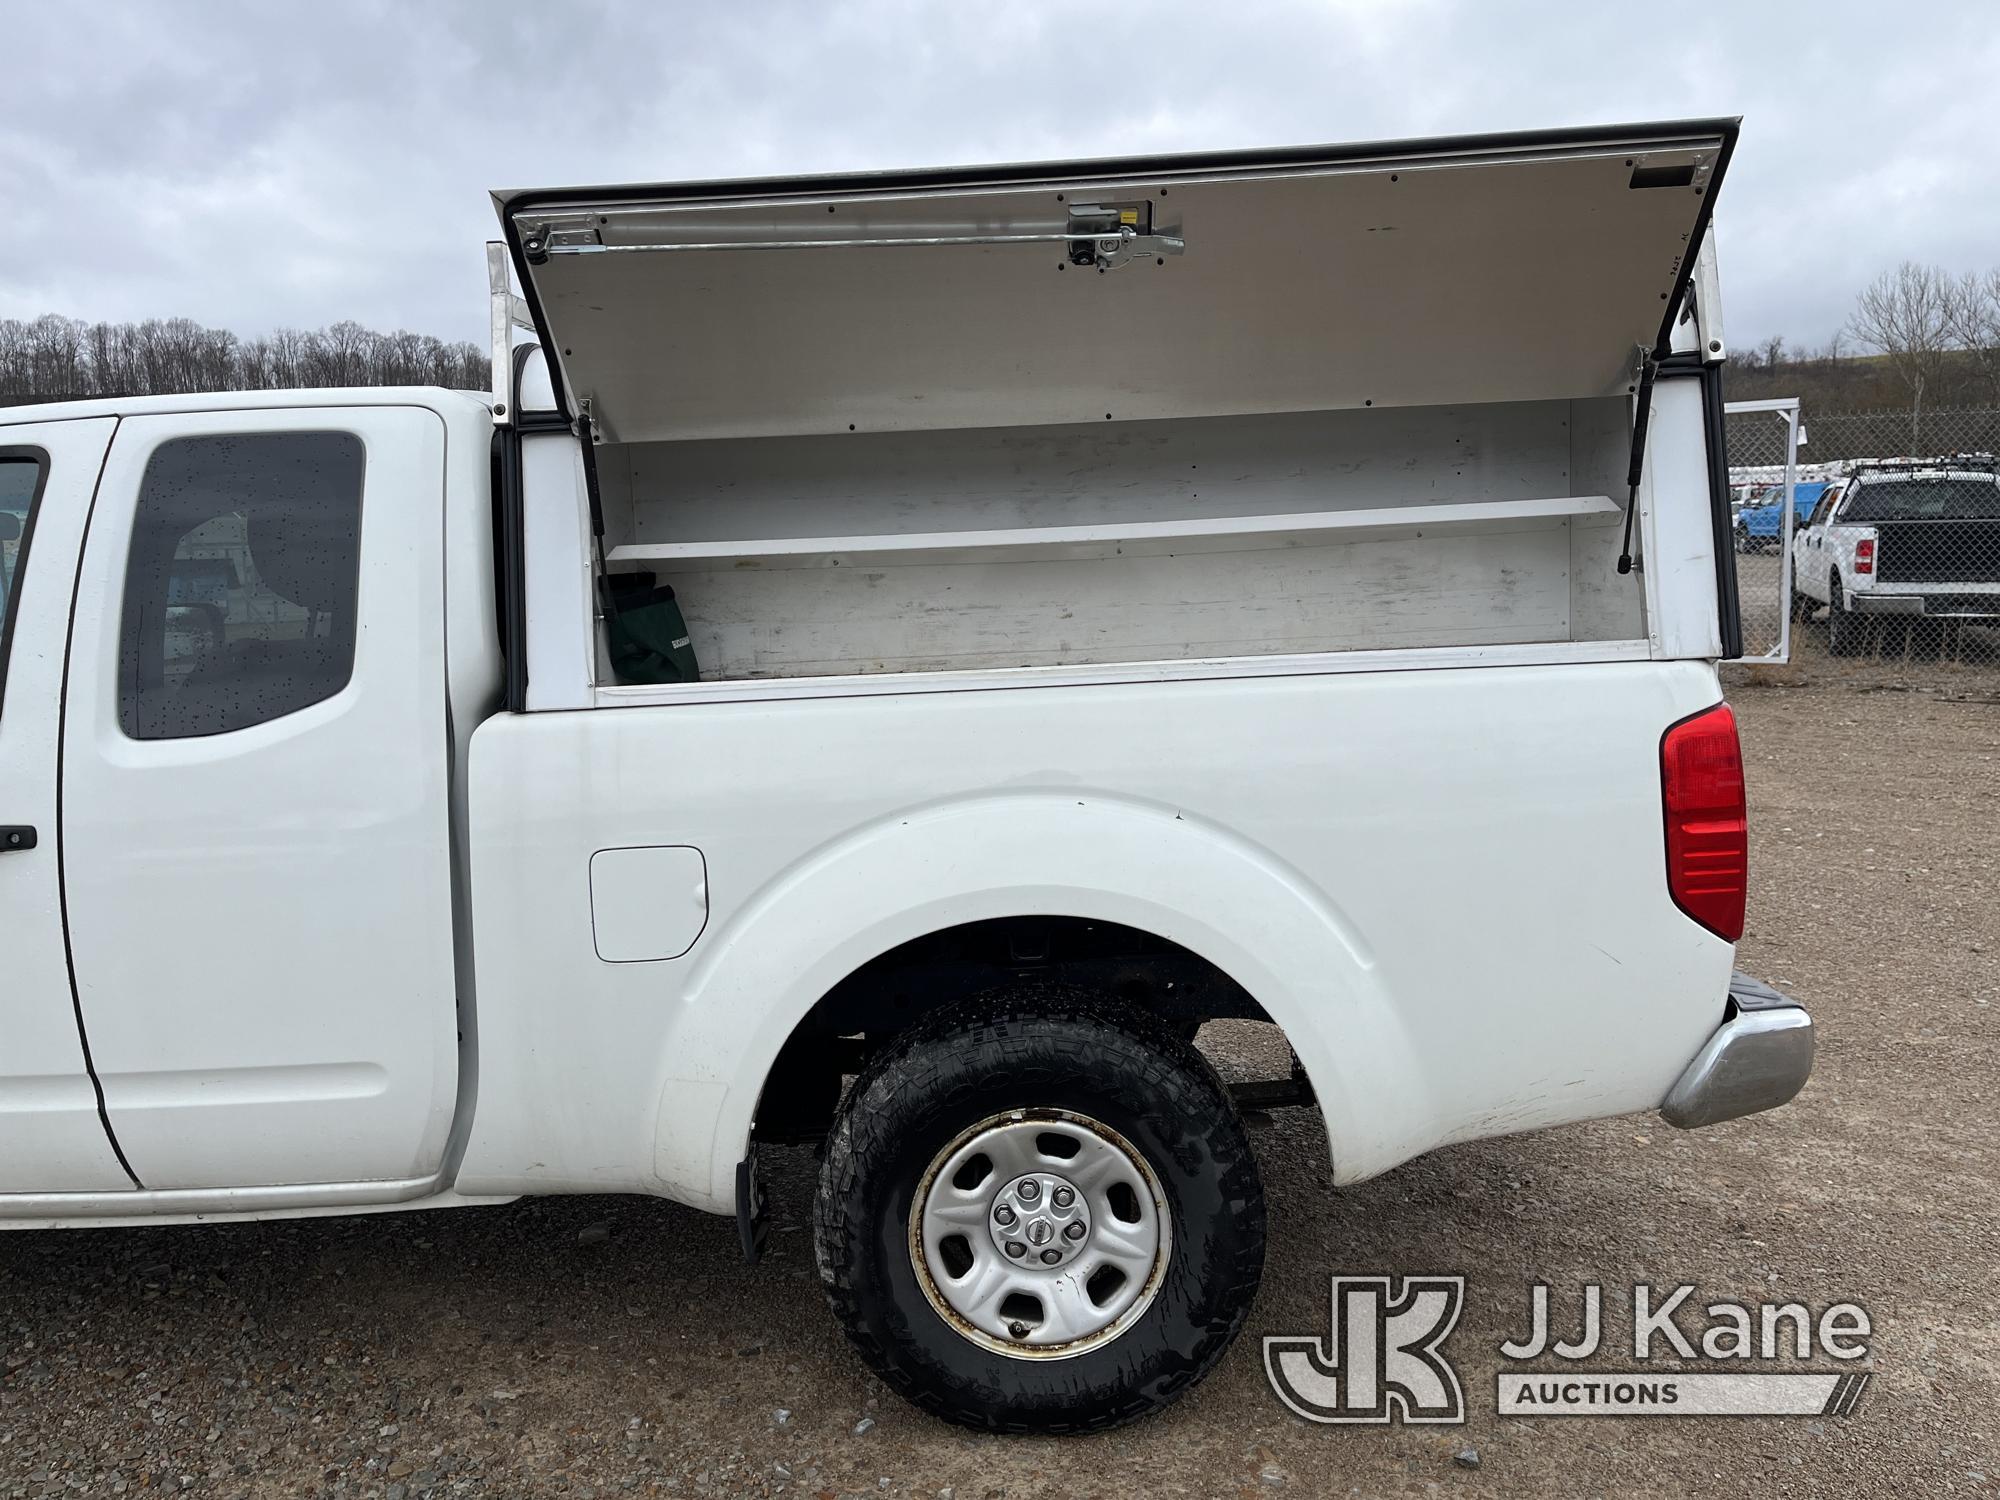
(1604,604)
(974,479)
(1502,581)
(1506,587)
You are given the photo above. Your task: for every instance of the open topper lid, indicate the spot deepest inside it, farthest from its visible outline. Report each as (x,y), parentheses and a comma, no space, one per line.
(1513,267)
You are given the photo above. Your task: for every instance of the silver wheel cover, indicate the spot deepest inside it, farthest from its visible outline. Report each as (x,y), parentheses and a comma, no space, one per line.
(1040,1234)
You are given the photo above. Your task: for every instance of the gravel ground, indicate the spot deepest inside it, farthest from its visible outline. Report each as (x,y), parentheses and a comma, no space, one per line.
(604,1346)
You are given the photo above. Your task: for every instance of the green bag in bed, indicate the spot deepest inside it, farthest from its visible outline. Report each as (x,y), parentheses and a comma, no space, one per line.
(643,628)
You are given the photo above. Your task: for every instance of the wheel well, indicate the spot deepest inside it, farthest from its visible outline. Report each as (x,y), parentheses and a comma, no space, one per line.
(833,1040)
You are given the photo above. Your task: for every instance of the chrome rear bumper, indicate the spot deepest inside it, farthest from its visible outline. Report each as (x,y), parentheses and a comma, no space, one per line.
(1759,1058)
(1886,604)
(1935,606)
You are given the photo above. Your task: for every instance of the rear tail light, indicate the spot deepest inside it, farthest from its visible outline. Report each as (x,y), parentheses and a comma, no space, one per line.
(1708,839)
(1864,555)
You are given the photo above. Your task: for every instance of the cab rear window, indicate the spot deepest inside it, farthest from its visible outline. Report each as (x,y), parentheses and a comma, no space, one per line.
(1924,500)
(241,583)
(21,474)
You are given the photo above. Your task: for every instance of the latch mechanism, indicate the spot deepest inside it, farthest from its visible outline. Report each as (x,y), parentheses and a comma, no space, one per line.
(1109,235)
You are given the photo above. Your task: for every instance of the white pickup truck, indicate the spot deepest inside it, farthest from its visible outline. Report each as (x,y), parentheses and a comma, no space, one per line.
(1910,540)
(892,656)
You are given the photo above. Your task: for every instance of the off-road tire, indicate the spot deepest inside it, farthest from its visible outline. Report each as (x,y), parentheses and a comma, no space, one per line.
(1029,1048)
(1844,628)
(1927,638)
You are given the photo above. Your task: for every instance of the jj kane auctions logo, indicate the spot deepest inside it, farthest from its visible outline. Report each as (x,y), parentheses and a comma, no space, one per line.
(1383,1359)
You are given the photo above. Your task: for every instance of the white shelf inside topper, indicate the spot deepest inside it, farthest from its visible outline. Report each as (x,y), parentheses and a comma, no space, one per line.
(1123,539)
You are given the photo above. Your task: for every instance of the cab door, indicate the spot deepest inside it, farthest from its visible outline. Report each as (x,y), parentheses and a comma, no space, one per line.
(255,799)
(52,1138)
(1809,555)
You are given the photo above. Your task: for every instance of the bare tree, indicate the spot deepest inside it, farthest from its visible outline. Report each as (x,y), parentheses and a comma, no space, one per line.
(169,355)
(253,365)
(14,364)
(1905,316)
(112,371)
(55,353)
(1972,308)
(288,359)
(351,353)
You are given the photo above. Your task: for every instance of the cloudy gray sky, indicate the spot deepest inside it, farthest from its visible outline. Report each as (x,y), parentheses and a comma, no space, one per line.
(257,164)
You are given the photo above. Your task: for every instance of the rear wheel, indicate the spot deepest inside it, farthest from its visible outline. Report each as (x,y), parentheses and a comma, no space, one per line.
(1926,639)
(1843,627)
(1040,1214)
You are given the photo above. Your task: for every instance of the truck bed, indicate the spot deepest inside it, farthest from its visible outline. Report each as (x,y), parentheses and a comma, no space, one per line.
(1938,552)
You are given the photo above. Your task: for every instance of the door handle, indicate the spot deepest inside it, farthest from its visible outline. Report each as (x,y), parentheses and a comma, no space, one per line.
(15,836)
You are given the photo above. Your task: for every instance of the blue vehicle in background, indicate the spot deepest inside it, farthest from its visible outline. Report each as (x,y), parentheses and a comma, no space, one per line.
(1760,524)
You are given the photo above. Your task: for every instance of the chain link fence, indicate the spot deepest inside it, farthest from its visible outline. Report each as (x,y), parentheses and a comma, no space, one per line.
(1834,437)
(1889,553)
(1762,461)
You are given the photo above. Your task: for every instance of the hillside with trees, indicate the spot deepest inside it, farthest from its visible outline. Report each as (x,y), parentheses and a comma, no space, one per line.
(54,358)
(1919,340)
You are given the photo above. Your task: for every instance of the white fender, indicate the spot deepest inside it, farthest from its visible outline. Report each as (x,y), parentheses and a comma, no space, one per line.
(1142,866)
